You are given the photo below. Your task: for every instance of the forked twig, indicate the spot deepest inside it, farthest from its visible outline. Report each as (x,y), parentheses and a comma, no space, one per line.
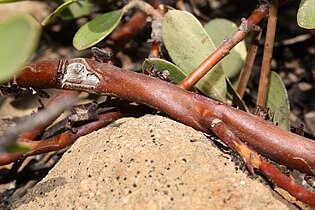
(251,24)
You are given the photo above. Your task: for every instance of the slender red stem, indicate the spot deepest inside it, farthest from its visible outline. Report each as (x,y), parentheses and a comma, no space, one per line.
(267,56)
(247,25)
(68,137)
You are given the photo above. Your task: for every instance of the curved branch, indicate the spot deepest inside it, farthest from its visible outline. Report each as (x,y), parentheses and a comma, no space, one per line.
(189,108)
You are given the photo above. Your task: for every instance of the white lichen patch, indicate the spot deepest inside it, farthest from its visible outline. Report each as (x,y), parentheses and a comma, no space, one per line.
(78,74)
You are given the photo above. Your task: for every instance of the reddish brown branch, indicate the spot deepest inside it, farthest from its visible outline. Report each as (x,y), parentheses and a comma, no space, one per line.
(61,96)
(247,25)
(267,56)
(127,31)
(279,145)
(192,109)
(68,137)
(254,161)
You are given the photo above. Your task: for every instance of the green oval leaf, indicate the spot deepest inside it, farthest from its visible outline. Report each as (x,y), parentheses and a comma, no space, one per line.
(51,17)
(278,102)
(306,14)
(189,45)
(19,36)
(176,74)
(219,29)
(97,29)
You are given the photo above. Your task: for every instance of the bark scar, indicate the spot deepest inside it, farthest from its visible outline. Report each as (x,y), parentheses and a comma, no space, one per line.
(76,73)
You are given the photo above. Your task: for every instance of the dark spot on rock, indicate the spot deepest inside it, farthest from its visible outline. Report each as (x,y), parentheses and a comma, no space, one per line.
(79,163)
(184,160)
(121,160)
(41,193)
(165,192)
(152,135)
(125,178)
(129,191)
(112,190)
(131,160)
(138,172)
(172,199)
(134,185)
(117,178)
(151,130)
(69,151)
(168,185)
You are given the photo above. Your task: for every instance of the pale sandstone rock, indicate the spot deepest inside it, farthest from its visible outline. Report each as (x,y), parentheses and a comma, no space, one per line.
(148,163)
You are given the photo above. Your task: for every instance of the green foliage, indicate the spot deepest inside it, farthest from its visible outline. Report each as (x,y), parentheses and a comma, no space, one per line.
(69,10)
(97,29)
(306,14)
(19,36)
(176,74)
(188,44)
(278,101)
(76,10)
(219,29)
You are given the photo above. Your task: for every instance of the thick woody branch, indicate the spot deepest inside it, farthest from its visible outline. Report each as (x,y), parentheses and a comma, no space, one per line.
(241,131)
(192,109)
(254,161)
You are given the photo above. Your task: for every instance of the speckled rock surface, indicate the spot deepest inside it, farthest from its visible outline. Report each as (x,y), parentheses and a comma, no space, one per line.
(148,163)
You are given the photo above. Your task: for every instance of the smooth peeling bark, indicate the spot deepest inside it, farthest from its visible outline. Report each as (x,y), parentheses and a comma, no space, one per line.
(189,108)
